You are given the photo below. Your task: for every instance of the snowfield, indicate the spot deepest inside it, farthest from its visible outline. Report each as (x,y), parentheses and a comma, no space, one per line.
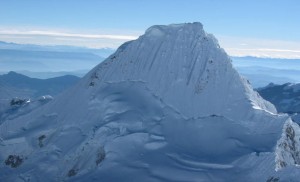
(165,107)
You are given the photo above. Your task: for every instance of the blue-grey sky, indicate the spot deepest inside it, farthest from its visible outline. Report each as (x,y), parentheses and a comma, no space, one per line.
(244,27)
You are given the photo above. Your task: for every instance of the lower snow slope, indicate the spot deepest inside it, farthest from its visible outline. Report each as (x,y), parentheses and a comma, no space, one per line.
(135,132)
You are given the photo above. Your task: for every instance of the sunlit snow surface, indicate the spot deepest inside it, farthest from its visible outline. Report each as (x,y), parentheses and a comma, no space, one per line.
(165,107)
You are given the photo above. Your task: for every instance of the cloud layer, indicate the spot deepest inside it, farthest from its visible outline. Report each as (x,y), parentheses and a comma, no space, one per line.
(63,34)
(54,37)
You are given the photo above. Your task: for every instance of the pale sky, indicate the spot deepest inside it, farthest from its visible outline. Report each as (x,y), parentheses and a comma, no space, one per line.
(266,28)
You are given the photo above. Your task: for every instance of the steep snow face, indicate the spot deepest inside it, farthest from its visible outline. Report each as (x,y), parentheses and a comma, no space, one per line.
(187,68)
(165,107)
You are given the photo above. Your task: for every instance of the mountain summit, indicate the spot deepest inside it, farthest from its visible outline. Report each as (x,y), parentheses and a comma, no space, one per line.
(186,66)
(165,107)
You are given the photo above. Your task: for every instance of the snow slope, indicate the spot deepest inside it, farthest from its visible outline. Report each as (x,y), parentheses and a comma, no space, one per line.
(165,107)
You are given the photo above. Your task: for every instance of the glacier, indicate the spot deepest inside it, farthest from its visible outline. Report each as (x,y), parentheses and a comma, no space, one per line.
(168,106)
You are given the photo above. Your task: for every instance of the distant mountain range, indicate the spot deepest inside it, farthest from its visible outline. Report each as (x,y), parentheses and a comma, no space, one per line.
(18,85)
(18,89)
(262,71)
(102,52)
(52,60)
(285,97)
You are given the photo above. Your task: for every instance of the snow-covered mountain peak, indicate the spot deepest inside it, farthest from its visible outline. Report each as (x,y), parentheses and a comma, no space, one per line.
(185,57)
(165,107)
